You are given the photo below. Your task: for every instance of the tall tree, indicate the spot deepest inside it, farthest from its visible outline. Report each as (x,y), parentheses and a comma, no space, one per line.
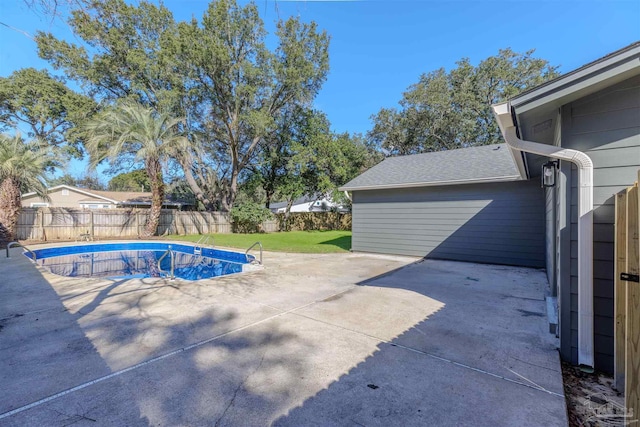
(303,157)
(242,86)
(132,130)
(23,168)
(136,180)
(46,106)
(89,181)
(453,110)
(123,55)
(217,73)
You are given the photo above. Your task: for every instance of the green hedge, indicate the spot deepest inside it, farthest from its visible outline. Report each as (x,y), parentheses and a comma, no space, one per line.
(310,221)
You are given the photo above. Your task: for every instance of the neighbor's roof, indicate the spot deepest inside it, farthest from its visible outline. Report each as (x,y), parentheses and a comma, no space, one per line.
(298,201)
(489,163)
(126,197)
(115,197)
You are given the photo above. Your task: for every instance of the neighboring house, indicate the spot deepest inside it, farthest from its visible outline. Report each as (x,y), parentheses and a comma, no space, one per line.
(66,196)
(461,207)
(307,204)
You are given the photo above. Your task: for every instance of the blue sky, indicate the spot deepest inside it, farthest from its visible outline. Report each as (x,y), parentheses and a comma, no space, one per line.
(379,48)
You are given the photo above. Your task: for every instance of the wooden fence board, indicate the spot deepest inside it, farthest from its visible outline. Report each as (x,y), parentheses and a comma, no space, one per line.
(620,298)
(632,367)
(68,224)
(627,300)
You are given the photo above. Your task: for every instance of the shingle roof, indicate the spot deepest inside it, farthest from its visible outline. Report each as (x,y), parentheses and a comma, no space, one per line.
(465,165)
(125,196)
(298,201)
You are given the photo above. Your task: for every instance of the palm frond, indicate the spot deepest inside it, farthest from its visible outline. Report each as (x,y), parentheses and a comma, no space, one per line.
(26,162)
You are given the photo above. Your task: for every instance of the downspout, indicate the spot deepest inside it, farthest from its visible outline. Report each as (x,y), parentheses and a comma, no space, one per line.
(509,131)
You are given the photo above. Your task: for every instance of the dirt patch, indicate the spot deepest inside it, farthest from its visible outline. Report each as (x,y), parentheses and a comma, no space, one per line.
(591,399)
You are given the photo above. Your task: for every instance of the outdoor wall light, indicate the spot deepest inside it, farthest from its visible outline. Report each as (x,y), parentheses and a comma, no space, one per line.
(549,173)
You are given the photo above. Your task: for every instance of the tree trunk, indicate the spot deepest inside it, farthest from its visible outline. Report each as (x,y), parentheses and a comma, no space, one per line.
(231,193)
(9,209)
(191,181)
(154,169)
(268,199)
(287,214)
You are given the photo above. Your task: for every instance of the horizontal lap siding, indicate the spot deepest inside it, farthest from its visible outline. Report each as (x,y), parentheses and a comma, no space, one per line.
(606,126)
(501,223)
(550,236)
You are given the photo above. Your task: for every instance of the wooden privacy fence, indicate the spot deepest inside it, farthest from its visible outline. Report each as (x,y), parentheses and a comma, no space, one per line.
(627,299)
(45,224)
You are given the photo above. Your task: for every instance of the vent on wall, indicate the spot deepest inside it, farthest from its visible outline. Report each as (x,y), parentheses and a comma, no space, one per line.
(542,127)
(65,192)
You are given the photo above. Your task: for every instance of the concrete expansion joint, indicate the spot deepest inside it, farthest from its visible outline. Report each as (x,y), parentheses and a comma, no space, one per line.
(162,357)
(529,384)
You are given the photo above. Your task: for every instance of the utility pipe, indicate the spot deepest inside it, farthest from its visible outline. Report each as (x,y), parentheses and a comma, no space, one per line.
(508,128)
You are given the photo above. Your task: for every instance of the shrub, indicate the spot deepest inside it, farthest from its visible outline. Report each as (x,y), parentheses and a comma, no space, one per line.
(309,221)
(248,217)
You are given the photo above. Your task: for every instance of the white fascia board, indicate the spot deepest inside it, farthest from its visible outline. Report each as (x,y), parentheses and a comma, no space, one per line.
(519,161)
(33,193)
(77,190)
(148,203)
(435,183)
(581,83)
(88,193)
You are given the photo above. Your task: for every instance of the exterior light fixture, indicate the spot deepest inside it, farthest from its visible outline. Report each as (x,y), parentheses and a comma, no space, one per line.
(549,173)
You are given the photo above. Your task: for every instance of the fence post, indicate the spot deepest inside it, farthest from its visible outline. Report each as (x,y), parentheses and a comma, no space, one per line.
(91,224)
(620,289)
(42,232)
(632,353)
(38,225)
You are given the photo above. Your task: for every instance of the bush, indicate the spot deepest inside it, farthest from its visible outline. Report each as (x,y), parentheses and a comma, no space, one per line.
(310,221)
(248,217)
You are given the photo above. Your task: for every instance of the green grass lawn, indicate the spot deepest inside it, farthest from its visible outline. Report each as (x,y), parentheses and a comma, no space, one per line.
(289,241)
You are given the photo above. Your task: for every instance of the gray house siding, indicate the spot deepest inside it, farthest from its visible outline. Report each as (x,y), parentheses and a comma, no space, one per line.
(500,223)
(550,248)
(606,126)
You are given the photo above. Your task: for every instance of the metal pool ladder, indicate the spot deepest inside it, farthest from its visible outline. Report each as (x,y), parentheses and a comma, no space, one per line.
(203,241)
(246,254)
(18,244)
(173,262)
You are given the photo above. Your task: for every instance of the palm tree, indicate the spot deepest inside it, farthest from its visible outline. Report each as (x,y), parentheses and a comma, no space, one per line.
(130,129)
(23,167)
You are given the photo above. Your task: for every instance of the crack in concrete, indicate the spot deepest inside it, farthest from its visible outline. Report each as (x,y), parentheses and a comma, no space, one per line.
(235,393)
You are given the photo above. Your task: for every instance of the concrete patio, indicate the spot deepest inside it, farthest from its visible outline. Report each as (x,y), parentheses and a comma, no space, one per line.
(312,340)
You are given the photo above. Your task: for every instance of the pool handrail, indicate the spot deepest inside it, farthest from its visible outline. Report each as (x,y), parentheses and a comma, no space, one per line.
(173,263)
(246,254)
(204,240)
(18,244)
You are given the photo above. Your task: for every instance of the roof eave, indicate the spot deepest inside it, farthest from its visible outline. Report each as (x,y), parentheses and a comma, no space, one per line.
(134,203)
(578,83)
(435,183)
(77,190)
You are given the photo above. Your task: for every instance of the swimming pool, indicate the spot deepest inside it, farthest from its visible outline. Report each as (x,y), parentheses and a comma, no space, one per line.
(140,260)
